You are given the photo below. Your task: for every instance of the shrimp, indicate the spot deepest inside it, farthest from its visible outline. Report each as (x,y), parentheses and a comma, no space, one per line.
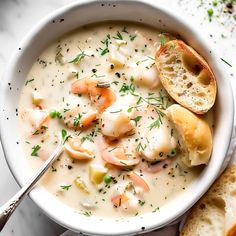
(119,199)
(118,155)
(138,180)
(98,91)
(79,150)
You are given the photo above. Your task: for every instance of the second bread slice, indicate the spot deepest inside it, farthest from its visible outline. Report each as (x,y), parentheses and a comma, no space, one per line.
(215,213)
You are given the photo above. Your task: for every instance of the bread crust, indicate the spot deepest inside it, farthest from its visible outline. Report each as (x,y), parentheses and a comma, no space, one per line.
(231,231)
(195,135)
(197,92)
(202,215)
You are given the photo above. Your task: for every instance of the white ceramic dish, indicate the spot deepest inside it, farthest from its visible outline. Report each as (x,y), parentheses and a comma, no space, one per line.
(65,20)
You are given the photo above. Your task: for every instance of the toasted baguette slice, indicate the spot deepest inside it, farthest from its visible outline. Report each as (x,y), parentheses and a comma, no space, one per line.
(215,213)
(186,76)
(194,135)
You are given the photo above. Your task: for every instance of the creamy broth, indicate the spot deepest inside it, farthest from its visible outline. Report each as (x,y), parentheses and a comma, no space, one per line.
(119,56)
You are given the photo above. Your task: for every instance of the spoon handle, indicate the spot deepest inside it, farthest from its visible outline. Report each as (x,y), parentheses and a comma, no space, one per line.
(9,207)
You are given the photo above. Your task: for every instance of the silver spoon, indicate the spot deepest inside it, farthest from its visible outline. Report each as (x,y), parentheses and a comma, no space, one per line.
(9,207)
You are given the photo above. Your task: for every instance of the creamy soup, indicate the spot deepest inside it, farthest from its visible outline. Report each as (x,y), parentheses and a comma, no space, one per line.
(98,87)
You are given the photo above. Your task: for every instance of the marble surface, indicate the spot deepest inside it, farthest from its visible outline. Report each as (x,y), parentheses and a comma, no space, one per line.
(17,17)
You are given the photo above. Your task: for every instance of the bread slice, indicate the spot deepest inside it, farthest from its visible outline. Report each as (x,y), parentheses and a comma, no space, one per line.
(194,135)
(186,76)
(215,213)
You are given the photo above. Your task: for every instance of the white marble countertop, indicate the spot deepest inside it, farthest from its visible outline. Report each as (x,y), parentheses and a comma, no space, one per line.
(18,16)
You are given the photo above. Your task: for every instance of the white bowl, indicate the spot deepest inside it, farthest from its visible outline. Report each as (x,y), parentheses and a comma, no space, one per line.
(67,19)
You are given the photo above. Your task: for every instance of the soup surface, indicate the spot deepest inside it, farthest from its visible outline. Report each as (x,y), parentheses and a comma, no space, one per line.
(98,87)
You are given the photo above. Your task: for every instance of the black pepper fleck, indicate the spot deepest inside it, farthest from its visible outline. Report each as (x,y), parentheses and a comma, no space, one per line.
(117,74)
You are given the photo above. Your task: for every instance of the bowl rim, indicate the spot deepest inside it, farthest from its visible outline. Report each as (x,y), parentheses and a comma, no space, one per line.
(168,12)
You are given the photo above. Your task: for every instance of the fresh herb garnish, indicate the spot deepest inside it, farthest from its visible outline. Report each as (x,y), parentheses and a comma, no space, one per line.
(123,163)
(77,120)
(63,134)
(156,209)
(66,110)
(115,82)
(79,57)
(141,203)
(112,149)
(36,132)
(226,62)
(151,58)
(125,89)
(136,119)
(157,123)
(141,147)
(118,36)
(87,137)
(28,81)
(44,127)
(35,150)
(132,78)
(106,42)
(75,74)
(139,100)
(104,51)
(115,111)
(66,187)
(163,39)
(132,37)
(87,213)
(125,30)
(130,109)
(172,46)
